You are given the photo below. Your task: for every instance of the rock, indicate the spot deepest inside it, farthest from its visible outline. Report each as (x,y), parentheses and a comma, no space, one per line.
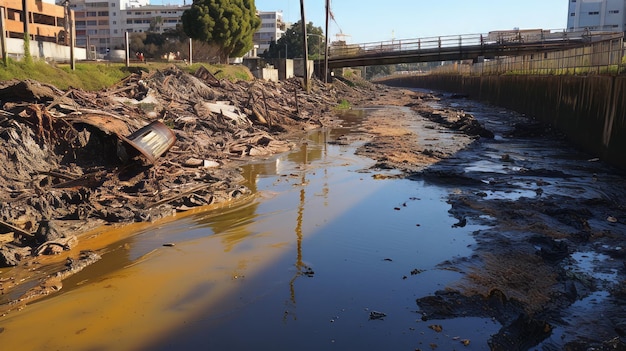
(377,315)
(193,162)
(210,164)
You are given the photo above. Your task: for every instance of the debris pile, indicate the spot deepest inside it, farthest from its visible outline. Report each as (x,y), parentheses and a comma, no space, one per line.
(68,165)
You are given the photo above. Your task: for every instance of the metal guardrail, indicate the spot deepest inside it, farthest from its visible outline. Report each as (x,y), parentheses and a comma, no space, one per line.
(443,43)
(597,57)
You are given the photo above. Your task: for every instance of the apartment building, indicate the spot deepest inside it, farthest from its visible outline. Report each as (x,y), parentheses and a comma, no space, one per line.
(46,20)
(272,29)
(101,25)
(153,18)
(597,15)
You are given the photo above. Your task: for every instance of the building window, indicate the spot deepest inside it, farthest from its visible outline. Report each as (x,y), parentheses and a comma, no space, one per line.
(91,14)
(103,13)
(573,14)
(614,11)
(112,4)
(591,13)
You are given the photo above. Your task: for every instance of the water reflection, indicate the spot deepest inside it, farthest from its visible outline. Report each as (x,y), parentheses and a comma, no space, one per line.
(270,272)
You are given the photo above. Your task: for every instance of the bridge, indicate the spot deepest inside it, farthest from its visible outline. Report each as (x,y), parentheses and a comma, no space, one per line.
(462,47)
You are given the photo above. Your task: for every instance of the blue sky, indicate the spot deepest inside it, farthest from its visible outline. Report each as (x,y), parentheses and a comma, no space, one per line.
(372,21)
(382,20)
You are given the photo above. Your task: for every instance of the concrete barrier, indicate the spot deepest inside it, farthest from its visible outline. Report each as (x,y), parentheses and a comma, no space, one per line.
(589,110)
(44,50)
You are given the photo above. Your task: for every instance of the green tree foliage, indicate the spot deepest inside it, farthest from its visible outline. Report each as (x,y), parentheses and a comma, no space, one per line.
(155,45)
(292,42)
(229,24)
(372,72)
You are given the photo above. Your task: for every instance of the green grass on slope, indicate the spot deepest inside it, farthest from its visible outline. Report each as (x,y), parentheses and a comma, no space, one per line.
(92,76)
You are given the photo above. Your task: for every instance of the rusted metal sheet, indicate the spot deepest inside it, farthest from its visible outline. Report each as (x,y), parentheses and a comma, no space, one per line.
(152,140)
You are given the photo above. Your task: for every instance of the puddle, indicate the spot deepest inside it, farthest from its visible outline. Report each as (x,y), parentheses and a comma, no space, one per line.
(593,265)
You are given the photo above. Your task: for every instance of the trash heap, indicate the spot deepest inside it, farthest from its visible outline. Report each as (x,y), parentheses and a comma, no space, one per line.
(68,164)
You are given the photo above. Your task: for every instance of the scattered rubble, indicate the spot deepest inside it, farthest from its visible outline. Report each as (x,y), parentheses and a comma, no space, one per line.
(68,157)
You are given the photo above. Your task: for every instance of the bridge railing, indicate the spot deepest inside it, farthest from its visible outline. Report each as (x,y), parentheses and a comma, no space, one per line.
(453,41)
(604,56)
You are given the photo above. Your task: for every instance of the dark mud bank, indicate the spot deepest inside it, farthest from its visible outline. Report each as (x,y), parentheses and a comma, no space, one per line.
(590,110)
(548,265)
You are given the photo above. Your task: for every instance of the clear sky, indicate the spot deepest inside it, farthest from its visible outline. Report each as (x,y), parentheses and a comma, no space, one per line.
(382,20)
(367,21)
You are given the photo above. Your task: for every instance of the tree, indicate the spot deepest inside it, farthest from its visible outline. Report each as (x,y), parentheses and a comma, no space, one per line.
(156,45)
(292,42)
(372,72)
(156,24)
(229,24)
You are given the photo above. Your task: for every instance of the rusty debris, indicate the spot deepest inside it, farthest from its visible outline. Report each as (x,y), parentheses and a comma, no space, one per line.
(152,140)
(140,150)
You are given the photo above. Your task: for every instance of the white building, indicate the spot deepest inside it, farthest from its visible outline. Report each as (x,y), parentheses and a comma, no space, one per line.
(597,15)
(272,29)
(100,25)
(153,18)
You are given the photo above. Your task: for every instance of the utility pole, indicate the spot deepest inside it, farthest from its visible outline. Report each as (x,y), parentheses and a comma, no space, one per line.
(72,44)
(326,43)
(3,39)
(70,32)
(190,51)
(26,16)
(127,47)
(306,48)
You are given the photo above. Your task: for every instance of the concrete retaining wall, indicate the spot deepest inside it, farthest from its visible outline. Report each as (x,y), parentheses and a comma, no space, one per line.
(590,110)
(44,50)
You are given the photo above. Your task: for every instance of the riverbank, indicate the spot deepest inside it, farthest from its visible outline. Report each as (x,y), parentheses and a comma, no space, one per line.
(69,170)
(588,109)
(539,224)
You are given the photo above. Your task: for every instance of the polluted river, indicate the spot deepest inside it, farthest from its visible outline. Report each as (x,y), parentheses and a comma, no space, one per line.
(513,242)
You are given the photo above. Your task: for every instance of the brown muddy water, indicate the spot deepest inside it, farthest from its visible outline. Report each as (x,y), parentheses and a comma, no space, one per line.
(325,256)
(304,265)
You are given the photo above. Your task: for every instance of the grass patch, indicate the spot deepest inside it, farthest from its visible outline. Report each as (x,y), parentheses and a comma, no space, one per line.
(93,76)
(229,72)
(343,105)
